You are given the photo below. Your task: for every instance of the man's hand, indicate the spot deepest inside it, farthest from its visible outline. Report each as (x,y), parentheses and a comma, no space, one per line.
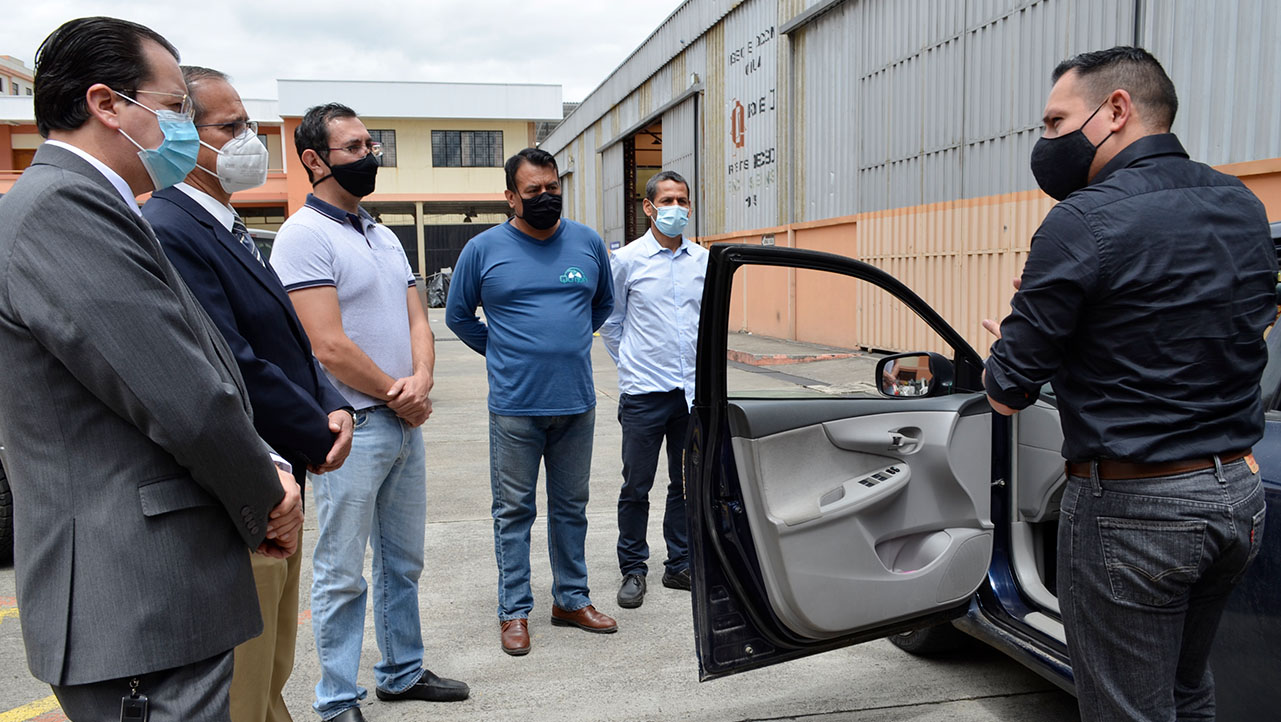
(408,398)
(997,406)
(993,327)
(340,423)
(285,521)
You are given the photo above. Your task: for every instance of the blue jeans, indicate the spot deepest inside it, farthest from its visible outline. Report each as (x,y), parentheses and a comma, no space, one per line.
(564,445)
(377,498)
(1145,569)
(648,419)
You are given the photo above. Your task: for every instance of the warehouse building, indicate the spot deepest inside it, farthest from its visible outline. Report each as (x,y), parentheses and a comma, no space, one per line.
(893,131)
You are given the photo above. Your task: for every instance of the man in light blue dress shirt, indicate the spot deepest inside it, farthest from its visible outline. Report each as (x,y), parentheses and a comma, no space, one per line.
(652,333)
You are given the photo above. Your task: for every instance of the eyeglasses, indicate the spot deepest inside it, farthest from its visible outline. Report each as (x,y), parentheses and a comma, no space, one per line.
(237,127)
(187,108)
(374,148)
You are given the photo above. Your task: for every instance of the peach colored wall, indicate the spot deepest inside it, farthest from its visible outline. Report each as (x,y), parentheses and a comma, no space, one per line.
(296,184)
(1264,178)
(767,304)
(1268,189)
(6,148)
(959,256)
(827,305)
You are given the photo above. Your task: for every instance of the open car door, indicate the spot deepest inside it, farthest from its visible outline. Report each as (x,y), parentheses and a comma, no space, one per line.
(834,495)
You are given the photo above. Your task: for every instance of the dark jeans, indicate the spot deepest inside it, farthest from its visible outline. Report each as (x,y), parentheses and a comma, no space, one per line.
(1145,569)
(647,420)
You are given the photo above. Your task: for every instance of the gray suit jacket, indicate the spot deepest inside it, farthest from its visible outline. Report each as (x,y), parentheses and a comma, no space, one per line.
(138,481)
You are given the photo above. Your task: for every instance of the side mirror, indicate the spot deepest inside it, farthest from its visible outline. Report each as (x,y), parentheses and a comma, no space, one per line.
(915,374)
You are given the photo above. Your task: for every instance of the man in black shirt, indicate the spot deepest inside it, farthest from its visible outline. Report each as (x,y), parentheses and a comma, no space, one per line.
(1144,299)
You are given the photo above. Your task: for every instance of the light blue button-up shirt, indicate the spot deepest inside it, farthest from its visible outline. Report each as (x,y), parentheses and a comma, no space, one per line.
(653,331)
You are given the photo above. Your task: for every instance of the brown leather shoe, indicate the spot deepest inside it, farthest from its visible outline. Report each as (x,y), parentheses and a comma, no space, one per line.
(515,636)
(586,618)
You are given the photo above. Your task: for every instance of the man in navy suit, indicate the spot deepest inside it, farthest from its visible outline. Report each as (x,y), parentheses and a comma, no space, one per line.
(296,410)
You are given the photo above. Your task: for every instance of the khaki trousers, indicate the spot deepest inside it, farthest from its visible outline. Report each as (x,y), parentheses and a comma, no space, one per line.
(263,664)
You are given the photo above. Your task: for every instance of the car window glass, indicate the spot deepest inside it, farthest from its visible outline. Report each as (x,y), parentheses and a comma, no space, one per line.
(801,333)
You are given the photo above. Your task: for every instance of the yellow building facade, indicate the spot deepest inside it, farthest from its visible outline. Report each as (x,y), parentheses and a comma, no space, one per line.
(444,145)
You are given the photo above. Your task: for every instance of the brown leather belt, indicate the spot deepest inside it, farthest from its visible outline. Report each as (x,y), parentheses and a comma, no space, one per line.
(1118,469)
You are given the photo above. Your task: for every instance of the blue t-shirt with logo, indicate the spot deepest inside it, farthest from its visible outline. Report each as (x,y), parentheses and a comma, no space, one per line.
(542,300)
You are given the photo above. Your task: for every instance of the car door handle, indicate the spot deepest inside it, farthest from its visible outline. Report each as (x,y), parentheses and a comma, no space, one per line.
(861,436)
(905,441)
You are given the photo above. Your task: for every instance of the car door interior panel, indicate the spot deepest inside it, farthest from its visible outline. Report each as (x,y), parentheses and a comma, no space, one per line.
(825,510)
(1041,470)
(870,517)
(1036,493)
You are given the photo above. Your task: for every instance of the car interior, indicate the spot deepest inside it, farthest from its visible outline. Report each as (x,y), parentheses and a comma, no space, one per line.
(1035,491)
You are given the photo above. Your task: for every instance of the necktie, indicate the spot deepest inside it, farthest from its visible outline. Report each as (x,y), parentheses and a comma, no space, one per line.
(242,234)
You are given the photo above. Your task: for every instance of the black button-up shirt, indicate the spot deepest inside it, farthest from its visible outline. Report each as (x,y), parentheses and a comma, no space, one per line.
(1145,297)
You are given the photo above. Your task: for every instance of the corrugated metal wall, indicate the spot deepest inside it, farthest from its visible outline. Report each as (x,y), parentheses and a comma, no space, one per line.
(612,192)
(743,116)
(679,132)
(913,120)
(583,197)
(603,140)
(888,104)
(906,103)
(1223,58)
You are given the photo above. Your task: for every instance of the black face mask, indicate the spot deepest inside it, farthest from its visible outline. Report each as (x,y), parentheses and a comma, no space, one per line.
(1062,165)
(541,211)
(357,178)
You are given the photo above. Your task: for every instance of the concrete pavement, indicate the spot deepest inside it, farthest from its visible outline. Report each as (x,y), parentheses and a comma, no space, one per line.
(647,671)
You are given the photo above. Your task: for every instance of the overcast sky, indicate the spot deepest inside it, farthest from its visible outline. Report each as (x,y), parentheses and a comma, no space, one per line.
(574,43)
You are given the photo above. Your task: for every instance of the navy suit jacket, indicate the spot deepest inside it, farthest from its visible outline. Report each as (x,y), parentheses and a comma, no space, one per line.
(289,391)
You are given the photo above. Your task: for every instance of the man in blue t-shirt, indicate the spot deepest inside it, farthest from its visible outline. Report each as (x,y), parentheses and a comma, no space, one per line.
(545,285)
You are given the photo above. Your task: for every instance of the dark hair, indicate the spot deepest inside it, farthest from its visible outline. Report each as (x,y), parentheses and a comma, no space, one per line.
(192,75)
(1132,69)
(81,53)
(651,186)
(313,132)
(532,156)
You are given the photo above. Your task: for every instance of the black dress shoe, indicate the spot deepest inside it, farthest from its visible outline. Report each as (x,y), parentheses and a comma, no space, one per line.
(428,688)
(632,594)
(676,580)
(351,714)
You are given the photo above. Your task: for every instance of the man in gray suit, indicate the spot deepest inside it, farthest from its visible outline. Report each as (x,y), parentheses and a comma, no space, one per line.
(139,483)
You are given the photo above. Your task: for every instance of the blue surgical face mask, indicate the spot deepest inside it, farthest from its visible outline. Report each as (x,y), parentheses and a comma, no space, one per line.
(671,220)
(176,157)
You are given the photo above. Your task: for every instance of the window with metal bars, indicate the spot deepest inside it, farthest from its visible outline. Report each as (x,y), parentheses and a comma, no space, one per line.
(467,148)
(388,139)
